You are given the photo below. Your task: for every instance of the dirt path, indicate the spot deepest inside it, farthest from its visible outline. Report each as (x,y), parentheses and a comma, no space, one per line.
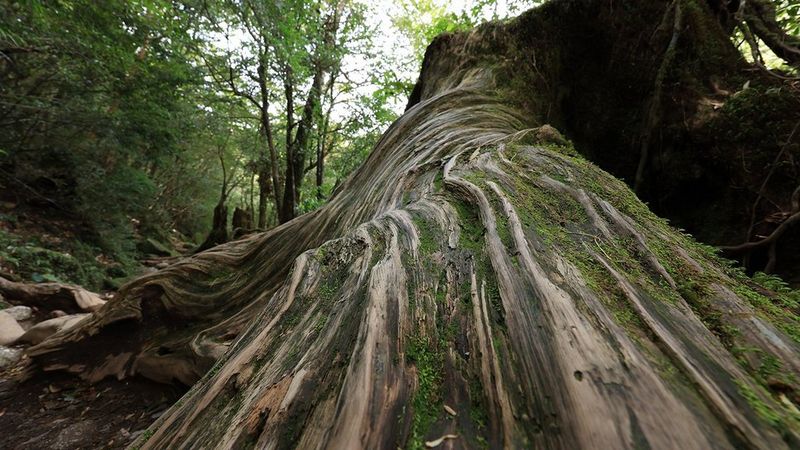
(62,412)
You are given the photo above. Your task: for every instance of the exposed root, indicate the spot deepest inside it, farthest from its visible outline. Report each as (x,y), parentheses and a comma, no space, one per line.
(51,296)
(772,238)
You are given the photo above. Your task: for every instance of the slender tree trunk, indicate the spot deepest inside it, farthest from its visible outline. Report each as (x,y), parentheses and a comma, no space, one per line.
(323,147)
(287,207)
(297,148)
(251,202)
(264,188)
(476,283)
(273,165)
(320,169)
(219,224)
(304,128)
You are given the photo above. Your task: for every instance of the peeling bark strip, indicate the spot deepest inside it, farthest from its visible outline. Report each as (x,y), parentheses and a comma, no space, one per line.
(473,285)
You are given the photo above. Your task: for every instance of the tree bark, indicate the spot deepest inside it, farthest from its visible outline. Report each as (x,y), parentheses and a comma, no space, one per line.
(264,189)
(219,224)
(320,163)
(287,206)
(323,147)
(474,283)
(267,170)
(297,147)
(219,228)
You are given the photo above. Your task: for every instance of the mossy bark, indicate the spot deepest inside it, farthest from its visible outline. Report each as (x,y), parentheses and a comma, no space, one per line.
(475,280)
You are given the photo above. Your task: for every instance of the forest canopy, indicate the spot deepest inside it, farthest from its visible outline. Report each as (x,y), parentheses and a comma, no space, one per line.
(132,120)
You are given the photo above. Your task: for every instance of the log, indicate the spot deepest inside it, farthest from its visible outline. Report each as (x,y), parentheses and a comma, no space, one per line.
(51,296)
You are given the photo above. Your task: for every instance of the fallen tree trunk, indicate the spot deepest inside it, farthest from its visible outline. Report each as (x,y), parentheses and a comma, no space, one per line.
(51,296)
(475,283)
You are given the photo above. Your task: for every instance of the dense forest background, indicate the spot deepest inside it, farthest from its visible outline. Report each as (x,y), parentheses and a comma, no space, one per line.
(136,128)
(140,128)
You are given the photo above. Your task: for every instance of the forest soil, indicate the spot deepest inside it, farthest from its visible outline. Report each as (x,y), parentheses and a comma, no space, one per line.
(61,412)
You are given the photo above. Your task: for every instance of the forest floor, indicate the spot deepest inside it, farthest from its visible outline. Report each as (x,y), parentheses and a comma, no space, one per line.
(61,411)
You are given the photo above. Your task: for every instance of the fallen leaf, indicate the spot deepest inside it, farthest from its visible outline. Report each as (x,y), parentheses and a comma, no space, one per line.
(437,442)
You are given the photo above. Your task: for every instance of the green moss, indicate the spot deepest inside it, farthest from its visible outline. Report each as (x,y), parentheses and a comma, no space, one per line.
(143,439)
(694,291)
(427,401)
(320,324)
(769,371)
(763,410)
(438,181)
(471,233)
(773,309)
(429,242)
(566,149)
(477,412)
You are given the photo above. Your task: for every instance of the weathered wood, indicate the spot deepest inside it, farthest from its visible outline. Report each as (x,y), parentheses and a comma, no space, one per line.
(51,296)
(474,278)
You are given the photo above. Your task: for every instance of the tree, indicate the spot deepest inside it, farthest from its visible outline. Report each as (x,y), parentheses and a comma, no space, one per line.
(297,46)
(219,227)
(99,116)
(476,280)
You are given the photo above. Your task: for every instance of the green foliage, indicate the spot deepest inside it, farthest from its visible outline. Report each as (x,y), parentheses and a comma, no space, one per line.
(130,116)
(97,99)
(419,21)
(422,20)
(788,15)
(33,261)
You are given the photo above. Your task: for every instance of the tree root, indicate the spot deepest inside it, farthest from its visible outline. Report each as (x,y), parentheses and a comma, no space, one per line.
(51,296)
(769,240)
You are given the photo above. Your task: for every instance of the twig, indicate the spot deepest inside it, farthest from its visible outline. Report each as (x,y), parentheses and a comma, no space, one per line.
(756,53)
(766,180)
(774,236)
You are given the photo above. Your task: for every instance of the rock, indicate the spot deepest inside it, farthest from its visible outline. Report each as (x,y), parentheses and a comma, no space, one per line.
(546,134)
(43,330)
(58,313)
(19,313)
(116,283)
(74,435)
(88,301)
(136,434)
(154,247)
(10,330)
(9,356)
